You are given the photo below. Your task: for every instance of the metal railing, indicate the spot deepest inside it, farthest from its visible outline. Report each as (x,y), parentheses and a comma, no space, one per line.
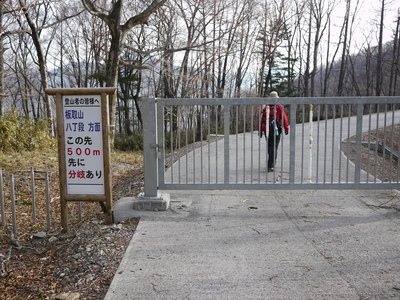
(8,203)
(196,144)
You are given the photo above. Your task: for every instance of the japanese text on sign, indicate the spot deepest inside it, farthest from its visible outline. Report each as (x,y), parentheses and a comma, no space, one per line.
(83,144)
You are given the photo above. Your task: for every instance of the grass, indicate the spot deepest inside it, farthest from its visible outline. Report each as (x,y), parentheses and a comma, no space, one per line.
(48,160)
(24,160)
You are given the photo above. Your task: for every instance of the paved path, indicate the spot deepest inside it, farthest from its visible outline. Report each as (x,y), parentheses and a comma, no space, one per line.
(264,245)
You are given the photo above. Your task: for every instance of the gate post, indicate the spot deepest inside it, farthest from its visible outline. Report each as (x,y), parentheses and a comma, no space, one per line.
(151,199)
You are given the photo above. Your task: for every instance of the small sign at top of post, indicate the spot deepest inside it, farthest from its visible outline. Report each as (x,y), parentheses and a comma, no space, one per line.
(83,147)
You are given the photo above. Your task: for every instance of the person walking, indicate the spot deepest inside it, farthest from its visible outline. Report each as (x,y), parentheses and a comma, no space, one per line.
(276,118)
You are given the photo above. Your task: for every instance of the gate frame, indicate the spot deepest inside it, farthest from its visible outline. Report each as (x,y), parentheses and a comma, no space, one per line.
(152,198)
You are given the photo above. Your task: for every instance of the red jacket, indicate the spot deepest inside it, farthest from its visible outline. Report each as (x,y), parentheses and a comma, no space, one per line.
(272,115)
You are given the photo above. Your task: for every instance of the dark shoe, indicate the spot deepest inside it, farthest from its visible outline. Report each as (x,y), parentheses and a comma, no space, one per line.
(270,169)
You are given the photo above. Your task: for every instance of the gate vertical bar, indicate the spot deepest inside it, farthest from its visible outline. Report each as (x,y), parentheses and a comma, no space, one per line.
(325,140)
(48,215)
(348,142)
(369,142)
(186,126)
(357,175)
(244,143)
(292,143)
(33,196)
(340,142)
(391,147)
(226,143)
(303,117)
(310,146)
(259,109)
(252,142)
(208,142)
(13,209)
(178,132)
(201,143)
(171,143)
(159,138)
(193,143)
(237,143)
(318,144)
(3,213)
(216,142)
(333,142)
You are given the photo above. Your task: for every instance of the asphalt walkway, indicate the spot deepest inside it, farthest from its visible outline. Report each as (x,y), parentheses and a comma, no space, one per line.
(252,245)
(263,245)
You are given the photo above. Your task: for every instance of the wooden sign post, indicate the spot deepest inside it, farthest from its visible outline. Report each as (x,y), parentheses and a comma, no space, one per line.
(83,132)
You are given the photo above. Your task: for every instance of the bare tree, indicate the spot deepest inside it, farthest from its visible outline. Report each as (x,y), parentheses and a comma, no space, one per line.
(2,93)
(226,41)
(79,54)
(345,40)
(118,34)
(394,71)
(344,34)
(321,16)
(246,43)
(378,86)
(8,17)
(269,37)
(23,82)
(35,35)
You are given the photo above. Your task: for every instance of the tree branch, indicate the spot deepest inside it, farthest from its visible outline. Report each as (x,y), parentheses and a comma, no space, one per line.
(143,16)
(11,32)
(193,47)
(94,11)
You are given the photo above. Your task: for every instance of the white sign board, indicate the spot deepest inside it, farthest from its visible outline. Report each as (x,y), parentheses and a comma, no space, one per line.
(83,144)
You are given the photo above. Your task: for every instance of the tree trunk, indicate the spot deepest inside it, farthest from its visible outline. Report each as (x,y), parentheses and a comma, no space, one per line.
(307,71)
(118,33)
(112,79)
(378,87)
(41,63)
(343,63)
(395,61)
(2,89)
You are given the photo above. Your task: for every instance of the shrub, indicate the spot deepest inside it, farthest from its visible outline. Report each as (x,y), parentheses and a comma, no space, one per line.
(133,142)
(18,133)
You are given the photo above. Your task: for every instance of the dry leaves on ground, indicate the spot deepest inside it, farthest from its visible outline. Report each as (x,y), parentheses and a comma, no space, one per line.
(80,263)
(383,167)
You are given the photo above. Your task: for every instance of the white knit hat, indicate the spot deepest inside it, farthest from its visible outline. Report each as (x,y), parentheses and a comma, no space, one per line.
(274,95)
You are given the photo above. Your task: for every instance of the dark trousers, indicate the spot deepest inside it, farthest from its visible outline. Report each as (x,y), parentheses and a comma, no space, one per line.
(273,143)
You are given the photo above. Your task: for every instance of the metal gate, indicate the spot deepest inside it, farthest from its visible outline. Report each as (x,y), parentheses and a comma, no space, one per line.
(333,143)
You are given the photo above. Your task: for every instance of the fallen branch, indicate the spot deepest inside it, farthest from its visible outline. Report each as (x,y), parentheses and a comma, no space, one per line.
(4,266)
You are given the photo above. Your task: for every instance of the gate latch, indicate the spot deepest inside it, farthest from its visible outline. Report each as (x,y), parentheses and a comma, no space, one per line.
(158,147)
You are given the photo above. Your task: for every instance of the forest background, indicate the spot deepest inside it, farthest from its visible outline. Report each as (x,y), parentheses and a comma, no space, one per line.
(193,49)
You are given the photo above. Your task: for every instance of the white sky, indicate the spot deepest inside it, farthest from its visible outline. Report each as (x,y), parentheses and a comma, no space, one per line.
(368,18)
